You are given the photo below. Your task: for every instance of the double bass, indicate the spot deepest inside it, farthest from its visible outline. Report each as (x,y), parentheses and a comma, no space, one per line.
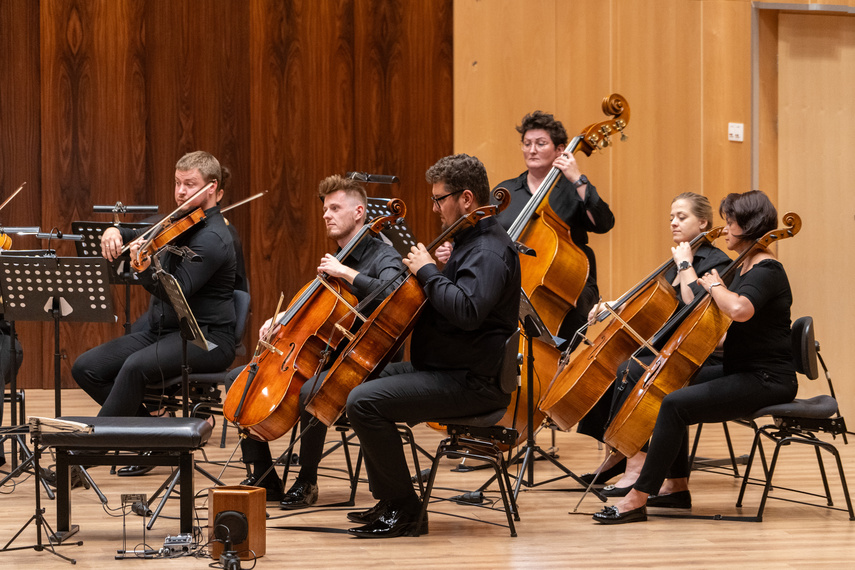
(385,331)
(264,399)
(554,278)
(579,384)
(681,356)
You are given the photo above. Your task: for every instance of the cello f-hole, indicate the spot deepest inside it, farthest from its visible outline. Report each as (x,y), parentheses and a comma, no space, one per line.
(284,366)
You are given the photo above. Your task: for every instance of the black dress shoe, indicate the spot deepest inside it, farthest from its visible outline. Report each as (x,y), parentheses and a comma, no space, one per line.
(611,515)
(394,520)
(612,491)
(299,496)
(369,516)
(134,470)
(610,473)
(272,484)
(678,500)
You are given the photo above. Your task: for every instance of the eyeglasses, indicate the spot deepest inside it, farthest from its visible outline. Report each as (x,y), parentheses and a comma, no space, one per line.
(539,144)
(438,199)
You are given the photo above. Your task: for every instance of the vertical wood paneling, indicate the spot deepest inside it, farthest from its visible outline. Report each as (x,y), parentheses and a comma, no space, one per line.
(20,142)
(93,125)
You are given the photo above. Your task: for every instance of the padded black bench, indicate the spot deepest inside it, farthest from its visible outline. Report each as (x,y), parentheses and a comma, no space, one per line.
(179,437)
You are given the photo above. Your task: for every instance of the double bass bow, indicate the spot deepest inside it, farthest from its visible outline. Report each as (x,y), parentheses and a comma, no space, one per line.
(686,349)
(578,385)
(264,399)
(555,277)
(385,331)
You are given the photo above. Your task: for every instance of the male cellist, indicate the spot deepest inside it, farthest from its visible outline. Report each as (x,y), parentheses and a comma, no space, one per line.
(369,267)
(115,373)
(471,310)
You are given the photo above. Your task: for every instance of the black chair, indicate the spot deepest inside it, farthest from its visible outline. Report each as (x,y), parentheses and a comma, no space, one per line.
(480,439)
(205,394)
(799,422)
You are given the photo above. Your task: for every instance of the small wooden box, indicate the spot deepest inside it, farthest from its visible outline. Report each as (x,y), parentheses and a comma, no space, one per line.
(251,501)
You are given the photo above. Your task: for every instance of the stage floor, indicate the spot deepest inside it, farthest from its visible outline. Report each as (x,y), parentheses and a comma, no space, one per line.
(790,536)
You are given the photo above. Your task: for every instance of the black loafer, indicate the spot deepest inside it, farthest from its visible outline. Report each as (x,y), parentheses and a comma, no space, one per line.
(393,521)
(134,470)
(299,496)
(611,515)
(612,491)
(678,500)
(272,484)
(369,516)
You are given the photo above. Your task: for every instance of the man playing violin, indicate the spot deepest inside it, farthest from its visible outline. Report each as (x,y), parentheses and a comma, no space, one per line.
(115,374)
(457,343)
(369,267)
(574,199)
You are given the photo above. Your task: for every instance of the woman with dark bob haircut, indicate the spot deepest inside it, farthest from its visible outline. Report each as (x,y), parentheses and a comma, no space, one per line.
(757,369)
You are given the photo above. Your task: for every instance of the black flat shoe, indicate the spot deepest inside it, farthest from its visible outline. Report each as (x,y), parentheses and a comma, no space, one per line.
(612,491)
(272,484)
(611,515)
(678,500)
(393,521)
(299,496)
(610,473)
(369,516)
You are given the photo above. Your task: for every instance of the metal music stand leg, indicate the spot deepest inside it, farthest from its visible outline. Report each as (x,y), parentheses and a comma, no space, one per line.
(42,525)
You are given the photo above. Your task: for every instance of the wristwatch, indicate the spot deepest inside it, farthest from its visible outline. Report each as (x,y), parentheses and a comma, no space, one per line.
(684,265)
(581,182)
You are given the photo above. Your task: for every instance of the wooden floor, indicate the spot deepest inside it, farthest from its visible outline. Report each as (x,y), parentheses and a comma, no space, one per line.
(790,536)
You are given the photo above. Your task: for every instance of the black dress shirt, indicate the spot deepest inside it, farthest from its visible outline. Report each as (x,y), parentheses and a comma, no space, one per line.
(565,201)
(473,303)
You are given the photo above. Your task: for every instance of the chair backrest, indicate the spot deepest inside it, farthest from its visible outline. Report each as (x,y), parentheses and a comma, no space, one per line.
(510,368)
(241,299)
(804,348)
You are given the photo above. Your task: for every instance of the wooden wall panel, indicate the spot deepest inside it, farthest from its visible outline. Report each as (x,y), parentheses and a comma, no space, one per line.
(93,125)
(20,143)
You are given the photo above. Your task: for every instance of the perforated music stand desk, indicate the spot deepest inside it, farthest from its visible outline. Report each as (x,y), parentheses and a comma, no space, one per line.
(399,235)
(121,272)
(56,288)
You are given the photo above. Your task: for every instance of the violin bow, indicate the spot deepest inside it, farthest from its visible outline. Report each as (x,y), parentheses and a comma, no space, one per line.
(244,201)
(15,193)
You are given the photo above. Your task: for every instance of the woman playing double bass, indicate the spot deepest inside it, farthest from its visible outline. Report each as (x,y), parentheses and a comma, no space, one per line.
(691,214)
(757,368)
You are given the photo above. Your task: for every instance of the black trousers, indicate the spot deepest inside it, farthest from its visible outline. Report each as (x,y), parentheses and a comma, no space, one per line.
(716,400)
(404,394)
(257,453)
(115,373)
(6,371)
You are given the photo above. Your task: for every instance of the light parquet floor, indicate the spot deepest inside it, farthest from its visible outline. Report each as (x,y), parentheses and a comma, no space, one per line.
(790,536)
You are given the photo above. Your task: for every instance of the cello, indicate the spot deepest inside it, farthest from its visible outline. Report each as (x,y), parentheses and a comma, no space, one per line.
(555,277)
(264,399)
(385,331)
(577,387)
(691,343)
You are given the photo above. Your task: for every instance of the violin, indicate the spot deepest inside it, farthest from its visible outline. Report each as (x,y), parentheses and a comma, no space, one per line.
(170,227)
(645,309)
(691,343)
(385,331)
(555,277)
(264,399)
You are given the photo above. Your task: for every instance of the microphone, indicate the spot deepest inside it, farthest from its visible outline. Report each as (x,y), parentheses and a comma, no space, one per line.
(120,208)
(376,178)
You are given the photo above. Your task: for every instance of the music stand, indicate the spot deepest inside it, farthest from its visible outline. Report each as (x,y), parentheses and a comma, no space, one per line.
(58,288)
(533,327)
(121,272)
(35,429)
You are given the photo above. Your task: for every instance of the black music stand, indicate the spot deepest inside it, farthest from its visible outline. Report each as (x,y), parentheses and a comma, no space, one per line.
(58,288)
(533,327)
(121,272)
(35,429)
